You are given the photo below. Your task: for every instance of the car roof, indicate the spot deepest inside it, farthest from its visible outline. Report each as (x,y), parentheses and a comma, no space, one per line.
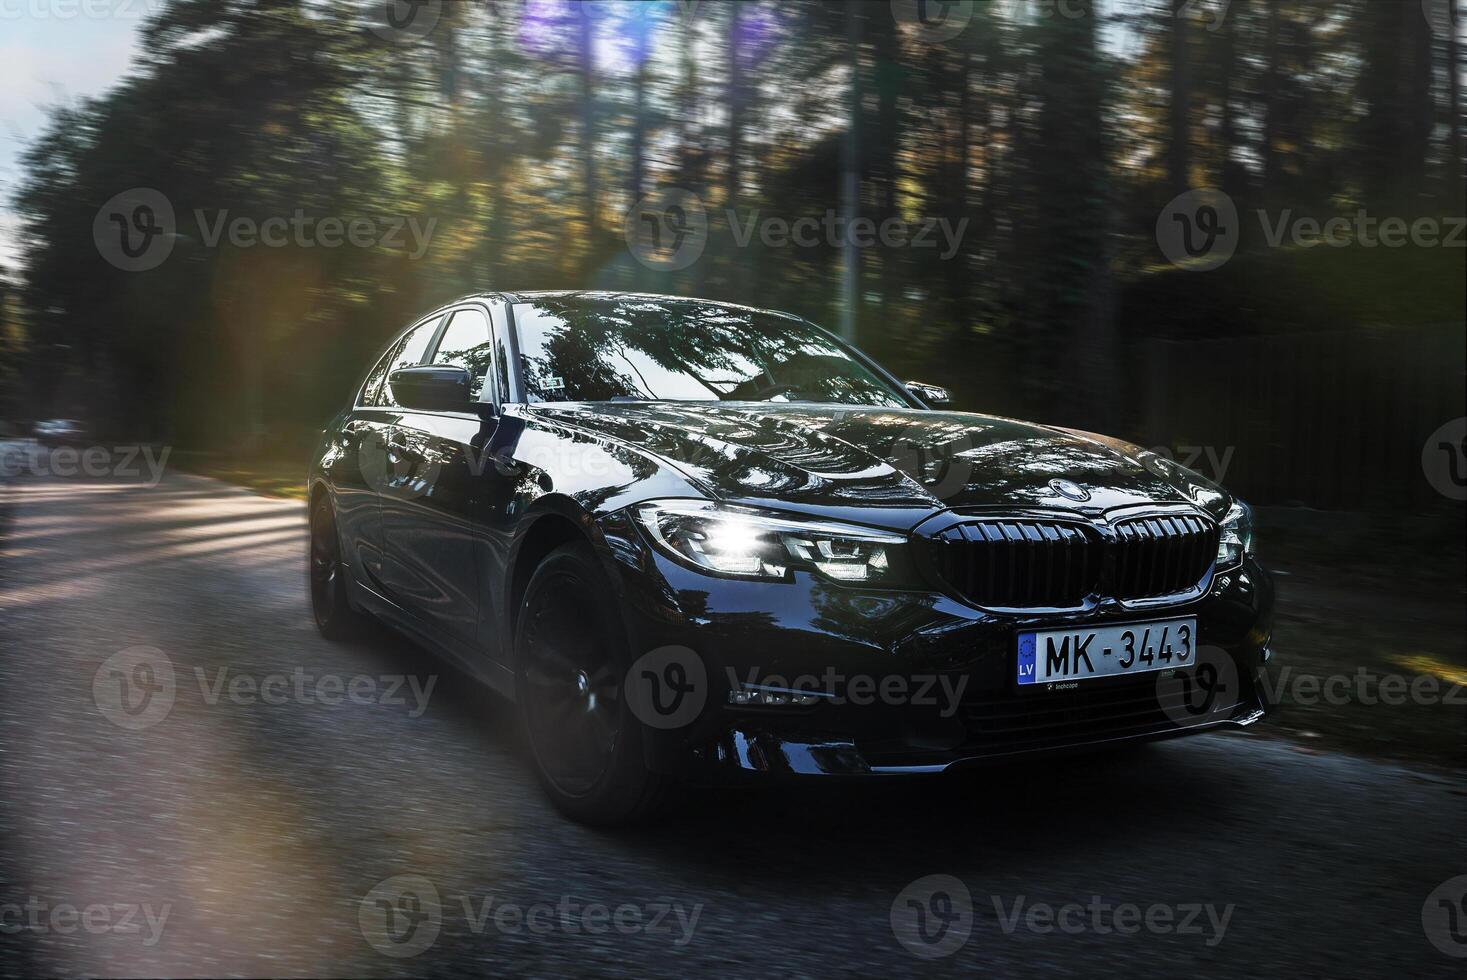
(602,295)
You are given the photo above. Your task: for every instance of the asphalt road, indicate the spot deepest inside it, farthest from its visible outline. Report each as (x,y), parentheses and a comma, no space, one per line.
(249,828)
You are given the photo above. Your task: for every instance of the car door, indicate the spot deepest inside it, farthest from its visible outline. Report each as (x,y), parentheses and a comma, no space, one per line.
(359,475)
(431,533)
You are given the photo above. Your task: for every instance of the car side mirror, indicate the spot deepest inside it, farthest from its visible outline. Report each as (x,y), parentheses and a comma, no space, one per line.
(931,394)
(432,388)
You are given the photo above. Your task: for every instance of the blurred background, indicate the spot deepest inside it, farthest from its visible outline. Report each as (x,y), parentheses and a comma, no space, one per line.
(1051,147)
(1230,231)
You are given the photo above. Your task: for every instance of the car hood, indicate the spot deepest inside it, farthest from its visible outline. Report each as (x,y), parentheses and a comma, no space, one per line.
(808,456)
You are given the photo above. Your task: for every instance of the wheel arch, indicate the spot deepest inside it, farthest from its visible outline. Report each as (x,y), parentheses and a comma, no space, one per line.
(554,521)
(317,489)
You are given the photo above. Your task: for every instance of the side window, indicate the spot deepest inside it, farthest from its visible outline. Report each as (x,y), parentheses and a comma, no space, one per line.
(409,354)
(373,385)
(466,344)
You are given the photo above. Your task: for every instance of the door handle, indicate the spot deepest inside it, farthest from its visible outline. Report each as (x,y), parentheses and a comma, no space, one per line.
(352,432)
(396,445)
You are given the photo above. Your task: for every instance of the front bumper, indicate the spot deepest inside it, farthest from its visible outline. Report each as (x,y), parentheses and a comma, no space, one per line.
(911,682)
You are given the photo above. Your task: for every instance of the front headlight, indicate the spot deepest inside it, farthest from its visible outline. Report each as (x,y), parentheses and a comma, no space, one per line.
(1237,535)
(744,542)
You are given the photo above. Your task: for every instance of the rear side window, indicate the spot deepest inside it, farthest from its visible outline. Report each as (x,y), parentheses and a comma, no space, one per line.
(409,353)
(467,344)
(373,386)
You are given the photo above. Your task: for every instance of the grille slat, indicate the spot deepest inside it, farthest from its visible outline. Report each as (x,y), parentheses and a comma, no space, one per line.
(1171,539)
(1039,563)
(1166,556)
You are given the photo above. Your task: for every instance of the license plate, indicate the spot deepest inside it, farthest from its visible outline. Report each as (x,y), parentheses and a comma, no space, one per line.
(1072,655)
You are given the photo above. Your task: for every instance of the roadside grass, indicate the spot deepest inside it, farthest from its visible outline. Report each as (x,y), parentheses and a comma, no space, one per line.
(1369,639)
(271,476)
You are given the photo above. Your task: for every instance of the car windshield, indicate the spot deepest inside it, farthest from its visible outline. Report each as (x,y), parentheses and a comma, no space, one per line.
(579,348)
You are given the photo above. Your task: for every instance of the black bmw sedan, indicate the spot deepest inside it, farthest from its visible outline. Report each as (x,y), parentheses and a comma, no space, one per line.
(697,541)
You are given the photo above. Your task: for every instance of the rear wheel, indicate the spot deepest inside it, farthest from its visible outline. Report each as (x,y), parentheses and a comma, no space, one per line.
(335,617)
(571,657)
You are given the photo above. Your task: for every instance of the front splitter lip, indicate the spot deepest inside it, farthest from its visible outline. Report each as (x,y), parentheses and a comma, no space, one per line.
(747,751)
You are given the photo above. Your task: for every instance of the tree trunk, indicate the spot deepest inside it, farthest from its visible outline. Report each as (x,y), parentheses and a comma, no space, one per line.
(1179,158)
(735,108)
(1269,150)
(497,148)
(636,172)
(640,27)
(888,80)
(1396,84)
(1229,174)
(1456,179)
(692,170)
(738,261)
(958,272)
(851,183)
(446,62)
(588,121)
(1070,350)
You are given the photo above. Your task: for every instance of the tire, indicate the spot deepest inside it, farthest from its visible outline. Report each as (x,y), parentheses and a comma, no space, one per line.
(326,577)
(571,659)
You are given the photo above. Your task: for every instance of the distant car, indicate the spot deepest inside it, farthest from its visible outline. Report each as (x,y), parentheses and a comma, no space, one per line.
(679,533)
(60,432)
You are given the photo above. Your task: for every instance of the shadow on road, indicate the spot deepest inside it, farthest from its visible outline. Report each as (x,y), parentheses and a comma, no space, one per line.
(891,827)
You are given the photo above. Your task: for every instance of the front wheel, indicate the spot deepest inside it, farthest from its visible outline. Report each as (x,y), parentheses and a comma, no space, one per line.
(335,617)
(571,660)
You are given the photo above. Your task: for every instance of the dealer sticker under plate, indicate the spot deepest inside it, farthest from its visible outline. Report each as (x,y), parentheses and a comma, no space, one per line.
(1054,656)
